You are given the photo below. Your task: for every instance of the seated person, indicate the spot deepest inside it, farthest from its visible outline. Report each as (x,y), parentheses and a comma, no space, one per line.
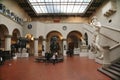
(53,58)
(48,55)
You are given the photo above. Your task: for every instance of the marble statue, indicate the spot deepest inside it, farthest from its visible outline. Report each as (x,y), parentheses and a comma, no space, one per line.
(97,26)
(96,35)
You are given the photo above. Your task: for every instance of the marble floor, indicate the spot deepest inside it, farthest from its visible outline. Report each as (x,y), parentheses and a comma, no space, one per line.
(72,68)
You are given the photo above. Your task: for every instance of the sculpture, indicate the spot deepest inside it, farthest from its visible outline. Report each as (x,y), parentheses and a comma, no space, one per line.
(54,45)
(97,26)
(20,44)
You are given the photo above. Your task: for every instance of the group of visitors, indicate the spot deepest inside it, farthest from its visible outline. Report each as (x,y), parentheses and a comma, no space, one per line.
(51,57)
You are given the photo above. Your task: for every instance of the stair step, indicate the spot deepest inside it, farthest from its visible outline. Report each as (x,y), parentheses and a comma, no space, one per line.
(118,62)
(112,71)
(117,65)
(114,77)
(115,68)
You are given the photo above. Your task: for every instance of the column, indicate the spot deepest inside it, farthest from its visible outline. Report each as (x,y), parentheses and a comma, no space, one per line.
(64,47)
(44,44)
(8,42)
(35,46)
(106,56)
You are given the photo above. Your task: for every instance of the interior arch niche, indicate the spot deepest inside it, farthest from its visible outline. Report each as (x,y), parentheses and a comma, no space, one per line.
(15,36)
(86,38)
(59,37)
(30,44)
(74,37)
(3,32)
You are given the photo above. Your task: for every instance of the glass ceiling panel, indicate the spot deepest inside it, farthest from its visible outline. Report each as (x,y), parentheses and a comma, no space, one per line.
(63,0)
(55,0)
(43,8)
(50,9)
(63,8)
(32,0)
(37,9)
(76,8)
(82,8)
(59,6)
(69,8)
(39,0)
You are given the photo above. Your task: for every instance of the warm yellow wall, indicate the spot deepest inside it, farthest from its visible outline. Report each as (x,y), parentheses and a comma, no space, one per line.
(15,8)
(63,19)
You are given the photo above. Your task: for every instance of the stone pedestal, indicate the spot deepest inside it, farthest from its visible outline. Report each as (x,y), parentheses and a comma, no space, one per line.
(106,58)
(76,51)
(84,51)
(22,55)
(91,55)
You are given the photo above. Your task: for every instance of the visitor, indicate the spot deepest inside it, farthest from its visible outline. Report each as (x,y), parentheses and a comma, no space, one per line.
(54,58)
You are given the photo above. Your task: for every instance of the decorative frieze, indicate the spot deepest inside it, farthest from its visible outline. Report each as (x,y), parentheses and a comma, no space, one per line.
(6,12)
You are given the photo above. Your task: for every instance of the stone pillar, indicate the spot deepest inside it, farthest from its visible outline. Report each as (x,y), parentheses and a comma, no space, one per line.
(106,56)
(44,46)
(35,46)
(8,42)
(64,47)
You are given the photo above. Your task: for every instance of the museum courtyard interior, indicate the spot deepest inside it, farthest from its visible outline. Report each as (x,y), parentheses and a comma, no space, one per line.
(59,40)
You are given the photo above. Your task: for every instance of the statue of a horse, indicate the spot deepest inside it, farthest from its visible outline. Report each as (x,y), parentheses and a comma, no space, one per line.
(21,43)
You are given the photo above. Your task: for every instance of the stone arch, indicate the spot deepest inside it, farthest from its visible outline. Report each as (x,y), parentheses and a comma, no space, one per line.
(59,40)
(3,32)
(75,38)
(86,38)
(15,36)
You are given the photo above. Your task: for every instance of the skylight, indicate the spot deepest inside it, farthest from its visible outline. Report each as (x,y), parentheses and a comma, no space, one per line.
(59,6)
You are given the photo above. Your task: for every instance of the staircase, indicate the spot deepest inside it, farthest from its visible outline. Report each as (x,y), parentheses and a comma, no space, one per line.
(113,71)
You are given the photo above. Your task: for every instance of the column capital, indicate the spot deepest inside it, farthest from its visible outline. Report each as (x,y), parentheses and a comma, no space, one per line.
(8,36)
(36,38)
(64,39)
(44,39)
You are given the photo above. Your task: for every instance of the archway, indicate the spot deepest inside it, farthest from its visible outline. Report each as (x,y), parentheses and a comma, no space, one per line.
(15,36)
(58,36)
(74,40)
(30,44)
(3,32)
(86,38)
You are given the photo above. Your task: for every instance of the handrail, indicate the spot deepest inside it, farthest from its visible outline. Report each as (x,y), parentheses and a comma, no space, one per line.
(114,29)
(115,46)
(111,28)
(109,38)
